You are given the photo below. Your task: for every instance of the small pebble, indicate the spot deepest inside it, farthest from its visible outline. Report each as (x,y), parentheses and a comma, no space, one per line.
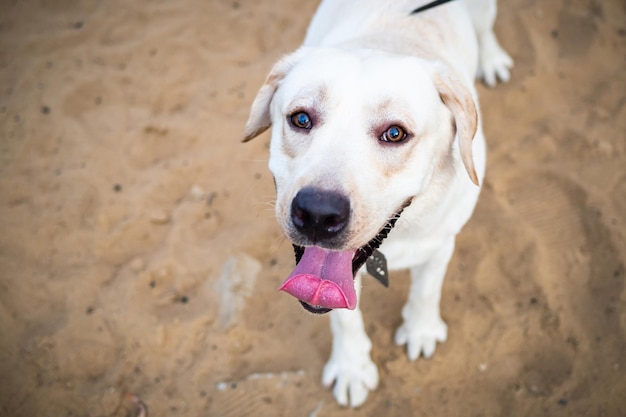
(137,264)
(563,401)
(159,217)
(197,192)
(162,272)
(45,109)
(117,188)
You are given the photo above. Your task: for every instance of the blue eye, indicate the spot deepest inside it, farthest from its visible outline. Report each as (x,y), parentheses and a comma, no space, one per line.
(301,120)
(394,134)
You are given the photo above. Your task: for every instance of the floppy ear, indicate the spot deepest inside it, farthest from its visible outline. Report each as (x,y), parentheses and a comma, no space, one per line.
(260,118)
(462,105)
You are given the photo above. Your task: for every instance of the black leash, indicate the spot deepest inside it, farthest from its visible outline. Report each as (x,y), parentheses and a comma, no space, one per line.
(430,6)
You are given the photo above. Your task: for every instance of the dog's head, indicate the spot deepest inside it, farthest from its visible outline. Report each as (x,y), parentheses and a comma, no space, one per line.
(356,134)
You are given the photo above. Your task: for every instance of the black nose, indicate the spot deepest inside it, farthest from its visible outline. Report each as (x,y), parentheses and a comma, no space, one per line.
(320,215)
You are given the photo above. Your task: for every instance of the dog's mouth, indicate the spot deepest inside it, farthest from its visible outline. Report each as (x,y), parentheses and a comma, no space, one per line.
(324,279)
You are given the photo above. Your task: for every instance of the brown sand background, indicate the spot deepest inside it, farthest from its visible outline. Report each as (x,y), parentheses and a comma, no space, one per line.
(139,251)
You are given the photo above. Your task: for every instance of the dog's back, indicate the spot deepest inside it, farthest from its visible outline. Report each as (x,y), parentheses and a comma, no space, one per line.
(444,33)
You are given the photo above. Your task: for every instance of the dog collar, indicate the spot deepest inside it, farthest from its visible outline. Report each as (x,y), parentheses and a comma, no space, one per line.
(430,6)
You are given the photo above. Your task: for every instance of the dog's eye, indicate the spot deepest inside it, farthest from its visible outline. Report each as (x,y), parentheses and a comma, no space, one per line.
(394,134)
(301,120)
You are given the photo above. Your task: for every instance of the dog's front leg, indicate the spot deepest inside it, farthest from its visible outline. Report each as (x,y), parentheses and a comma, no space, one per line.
(350,366)
(423,326)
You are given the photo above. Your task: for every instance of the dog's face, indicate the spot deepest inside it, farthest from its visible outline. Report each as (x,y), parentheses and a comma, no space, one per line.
(356,135)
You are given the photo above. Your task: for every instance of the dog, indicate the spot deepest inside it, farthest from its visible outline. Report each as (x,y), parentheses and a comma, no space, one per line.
(375,124)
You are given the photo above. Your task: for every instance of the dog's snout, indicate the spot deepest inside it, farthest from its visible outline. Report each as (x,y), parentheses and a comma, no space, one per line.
(320,215)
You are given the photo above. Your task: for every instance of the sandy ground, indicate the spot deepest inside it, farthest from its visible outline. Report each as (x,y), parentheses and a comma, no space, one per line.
(139,252)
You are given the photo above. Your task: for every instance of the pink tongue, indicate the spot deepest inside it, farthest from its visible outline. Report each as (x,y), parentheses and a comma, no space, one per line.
(323,278)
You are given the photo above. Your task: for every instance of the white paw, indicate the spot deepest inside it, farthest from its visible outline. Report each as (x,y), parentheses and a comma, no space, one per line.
(495,64)
(422,337)
(354,377)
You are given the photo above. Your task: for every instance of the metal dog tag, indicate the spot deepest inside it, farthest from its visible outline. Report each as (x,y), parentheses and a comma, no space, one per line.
(376,266)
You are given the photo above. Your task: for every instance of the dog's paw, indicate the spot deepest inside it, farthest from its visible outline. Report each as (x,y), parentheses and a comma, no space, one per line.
(354,377)
(421,338)
(495,64)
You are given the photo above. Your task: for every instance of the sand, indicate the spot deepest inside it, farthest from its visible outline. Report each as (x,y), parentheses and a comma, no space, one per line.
(139,253)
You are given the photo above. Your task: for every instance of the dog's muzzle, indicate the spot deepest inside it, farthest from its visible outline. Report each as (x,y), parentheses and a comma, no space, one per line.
(323,278)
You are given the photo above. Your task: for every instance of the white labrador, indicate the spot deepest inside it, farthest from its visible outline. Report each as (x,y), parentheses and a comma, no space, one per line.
(375,116)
